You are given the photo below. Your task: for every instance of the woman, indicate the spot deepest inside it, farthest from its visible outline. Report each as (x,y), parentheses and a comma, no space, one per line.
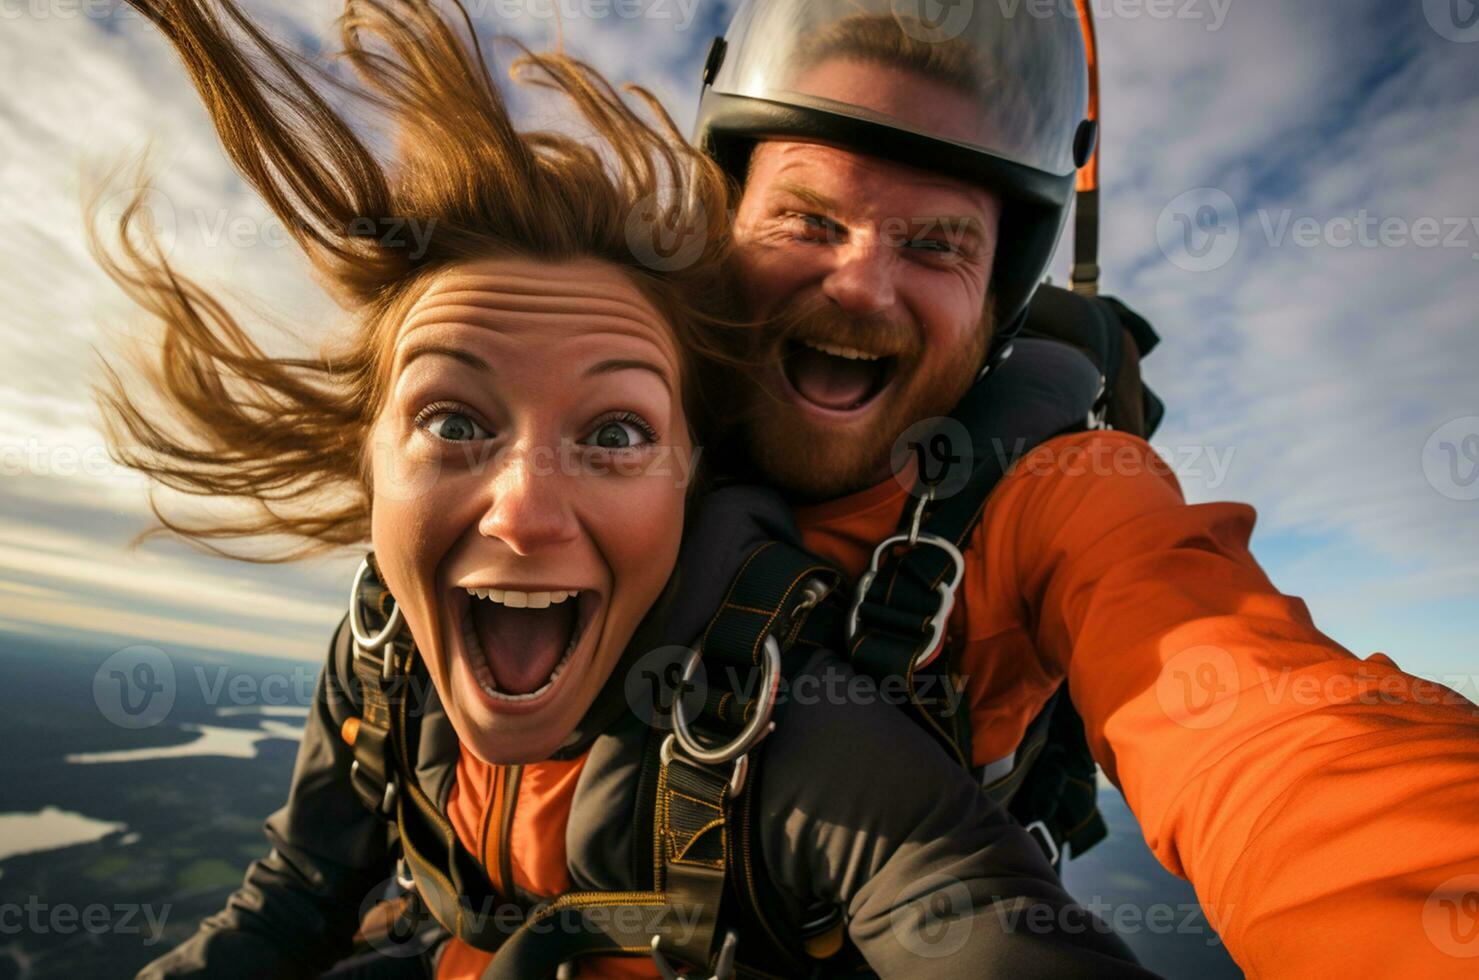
(512,426)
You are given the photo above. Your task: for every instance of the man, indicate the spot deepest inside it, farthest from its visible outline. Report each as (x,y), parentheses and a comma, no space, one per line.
(905,182)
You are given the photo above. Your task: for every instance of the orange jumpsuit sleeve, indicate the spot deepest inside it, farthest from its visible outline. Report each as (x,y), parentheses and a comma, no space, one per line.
(1324,807)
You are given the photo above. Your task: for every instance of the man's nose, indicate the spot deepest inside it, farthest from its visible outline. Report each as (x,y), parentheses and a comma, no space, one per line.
(530,507)
(861,281)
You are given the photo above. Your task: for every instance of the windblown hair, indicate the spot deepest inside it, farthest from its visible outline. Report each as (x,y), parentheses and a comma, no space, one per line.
(287,437)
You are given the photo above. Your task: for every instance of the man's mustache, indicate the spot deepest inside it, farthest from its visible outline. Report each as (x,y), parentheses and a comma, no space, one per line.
(825,323)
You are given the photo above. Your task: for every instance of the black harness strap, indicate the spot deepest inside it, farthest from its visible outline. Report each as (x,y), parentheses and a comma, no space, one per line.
(905,597)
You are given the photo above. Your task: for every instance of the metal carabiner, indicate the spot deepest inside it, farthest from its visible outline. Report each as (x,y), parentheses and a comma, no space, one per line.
(946,589)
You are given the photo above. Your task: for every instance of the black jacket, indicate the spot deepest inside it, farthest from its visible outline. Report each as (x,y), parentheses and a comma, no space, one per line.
(857,808)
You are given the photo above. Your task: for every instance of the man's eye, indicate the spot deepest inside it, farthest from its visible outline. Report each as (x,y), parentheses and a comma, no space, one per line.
(455,427)
(814,227)
(934,245)
(620,434)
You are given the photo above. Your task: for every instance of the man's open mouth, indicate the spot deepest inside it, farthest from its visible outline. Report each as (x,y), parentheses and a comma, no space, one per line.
(519,643)
(834,377)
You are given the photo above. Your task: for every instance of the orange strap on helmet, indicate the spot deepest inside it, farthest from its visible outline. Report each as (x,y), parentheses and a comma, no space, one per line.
(1086,217)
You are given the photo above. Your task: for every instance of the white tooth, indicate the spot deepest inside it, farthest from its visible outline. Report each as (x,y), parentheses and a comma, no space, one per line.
(514,600)
(848,353)
(538,600)
(494,594)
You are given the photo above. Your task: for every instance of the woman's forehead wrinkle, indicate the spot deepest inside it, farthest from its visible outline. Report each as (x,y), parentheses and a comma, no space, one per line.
(512,305)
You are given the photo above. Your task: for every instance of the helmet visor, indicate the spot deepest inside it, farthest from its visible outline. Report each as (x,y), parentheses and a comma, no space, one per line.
(1004,77)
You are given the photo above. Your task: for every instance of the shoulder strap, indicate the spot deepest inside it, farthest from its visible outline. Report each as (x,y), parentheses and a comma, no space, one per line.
(904,601)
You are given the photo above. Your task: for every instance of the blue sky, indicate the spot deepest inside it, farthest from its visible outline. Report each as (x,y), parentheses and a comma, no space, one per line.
(1289,196)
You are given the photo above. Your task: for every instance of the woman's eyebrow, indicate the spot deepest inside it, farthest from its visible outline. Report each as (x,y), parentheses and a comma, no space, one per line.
(456,353)
(630,364)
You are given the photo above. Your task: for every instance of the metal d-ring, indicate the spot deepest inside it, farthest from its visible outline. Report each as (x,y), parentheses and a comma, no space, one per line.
(356,616)
(755,729)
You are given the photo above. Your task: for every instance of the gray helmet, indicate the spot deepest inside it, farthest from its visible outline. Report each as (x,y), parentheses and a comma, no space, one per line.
(1022,66)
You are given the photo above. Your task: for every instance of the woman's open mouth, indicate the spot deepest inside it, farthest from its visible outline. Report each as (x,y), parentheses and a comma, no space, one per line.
(520,643)
(835,379)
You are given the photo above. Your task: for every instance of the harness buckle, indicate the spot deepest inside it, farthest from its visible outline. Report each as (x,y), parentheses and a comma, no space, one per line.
(737,775)
(941,619)
(755,729)
(723,966)
(387,801)
(1044,837)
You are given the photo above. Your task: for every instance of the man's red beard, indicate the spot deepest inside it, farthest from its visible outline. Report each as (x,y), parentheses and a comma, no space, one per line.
(813,460)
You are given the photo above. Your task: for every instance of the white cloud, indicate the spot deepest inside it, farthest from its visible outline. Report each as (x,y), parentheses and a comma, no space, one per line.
(1326,368)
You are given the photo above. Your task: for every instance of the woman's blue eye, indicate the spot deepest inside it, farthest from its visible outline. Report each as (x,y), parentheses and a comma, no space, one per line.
(618,435)
(455,427)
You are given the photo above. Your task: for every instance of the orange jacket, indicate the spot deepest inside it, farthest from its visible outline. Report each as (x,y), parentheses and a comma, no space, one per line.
(534,849)
(1323,806)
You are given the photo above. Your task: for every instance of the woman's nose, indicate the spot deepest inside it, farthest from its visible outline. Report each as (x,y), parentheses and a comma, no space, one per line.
(530,506)
(861,280)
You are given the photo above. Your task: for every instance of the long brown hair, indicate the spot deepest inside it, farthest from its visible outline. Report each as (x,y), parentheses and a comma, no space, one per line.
(287,436)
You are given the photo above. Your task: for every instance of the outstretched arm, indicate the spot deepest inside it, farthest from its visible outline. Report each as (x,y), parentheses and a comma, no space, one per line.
(297,910)
(860,809)
(1322,805)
